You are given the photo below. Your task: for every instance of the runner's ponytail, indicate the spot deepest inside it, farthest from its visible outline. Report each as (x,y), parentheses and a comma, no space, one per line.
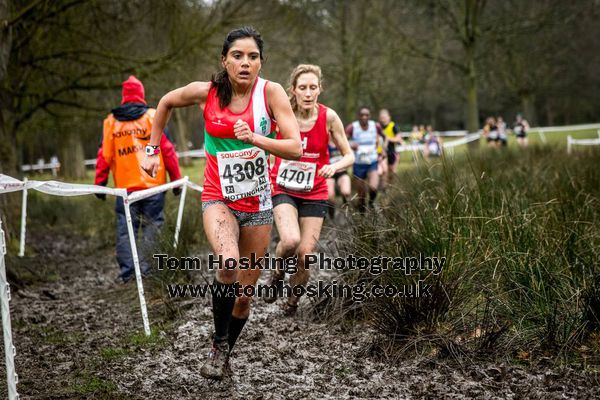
(223,86)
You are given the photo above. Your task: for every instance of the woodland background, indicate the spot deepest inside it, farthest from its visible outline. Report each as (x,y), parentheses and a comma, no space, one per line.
(447,63)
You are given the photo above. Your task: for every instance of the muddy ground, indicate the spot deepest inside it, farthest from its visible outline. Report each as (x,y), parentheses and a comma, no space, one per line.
(79,335)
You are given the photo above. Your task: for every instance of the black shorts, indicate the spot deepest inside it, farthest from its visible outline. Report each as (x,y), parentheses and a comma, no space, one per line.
(306,208)
(391,157)
(339,174)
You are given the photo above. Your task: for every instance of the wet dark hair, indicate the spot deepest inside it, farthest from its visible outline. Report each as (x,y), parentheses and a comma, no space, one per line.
(221,80)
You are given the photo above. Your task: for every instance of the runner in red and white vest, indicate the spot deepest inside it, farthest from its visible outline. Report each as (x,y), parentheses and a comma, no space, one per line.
(300,190)
(239,111)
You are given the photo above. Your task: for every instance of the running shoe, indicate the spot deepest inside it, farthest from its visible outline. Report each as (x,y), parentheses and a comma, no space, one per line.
(290,310)
(217,365)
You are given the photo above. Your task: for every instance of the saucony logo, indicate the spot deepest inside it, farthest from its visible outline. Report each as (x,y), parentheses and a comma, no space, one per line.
(243,154)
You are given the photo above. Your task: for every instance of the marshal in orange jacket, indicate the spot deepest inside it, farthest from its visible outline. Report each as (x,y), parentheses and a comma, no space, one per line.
(122,152)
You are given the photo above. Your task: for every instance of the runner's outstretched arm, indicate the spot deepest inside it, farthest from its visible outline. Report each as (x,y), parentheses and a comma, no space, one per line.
(193,93)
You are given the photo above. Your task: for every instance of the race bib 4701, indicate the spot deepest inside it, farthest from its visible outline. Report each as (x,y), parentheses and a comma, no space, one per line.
(297,175)
(243,173)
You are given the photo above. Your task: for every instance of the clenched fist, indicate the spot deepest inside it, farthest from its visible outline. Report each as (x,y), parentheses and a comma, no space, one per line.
(243,132)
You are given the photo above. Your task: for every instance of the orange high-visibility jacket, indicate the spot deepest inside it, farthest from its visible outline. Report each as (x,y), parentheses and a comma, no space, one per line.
(123,146)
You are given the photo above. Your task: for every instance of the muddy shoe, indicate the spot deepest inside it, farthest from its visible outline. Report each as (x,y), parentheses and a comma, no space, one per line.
(289,310)
(217,365)
(276,283)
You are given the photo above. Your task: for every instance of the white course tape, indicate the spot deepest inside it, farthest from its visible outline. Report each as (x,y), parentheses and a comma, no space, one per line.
(9,184)
(566,128)
(9,348)
(195,187)
(582,142)
(199,153)
(468,138)
(585,142)
(144,194)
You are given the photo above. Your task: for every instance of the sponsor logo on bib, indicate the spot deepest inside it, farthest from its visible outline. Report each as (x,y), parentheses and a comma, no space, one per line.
(248,154)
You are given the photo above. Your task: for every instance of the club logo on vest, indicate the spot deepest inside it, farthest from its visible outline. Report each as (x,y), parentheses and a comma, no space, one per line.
(263,125)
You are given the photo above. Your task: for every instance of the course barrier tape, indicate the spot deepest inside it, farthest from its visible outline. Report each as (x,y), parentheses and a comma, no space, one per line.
(581,142)
(569,128)
(9,184)
(9,348)
(447,145)
(407,134)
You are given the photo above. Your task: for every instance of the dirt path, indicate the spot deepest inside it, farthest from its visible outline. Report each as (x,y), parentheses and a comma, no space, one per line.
(78,335)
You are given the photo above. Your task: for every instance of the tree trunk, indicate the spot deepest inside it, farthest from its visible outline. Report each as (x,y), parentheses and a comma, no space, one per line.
(8,149)
(549,114)
(72,157)
(347,90)
(472,122)
(528,108)
(8,146)
(9,203)
(182,134)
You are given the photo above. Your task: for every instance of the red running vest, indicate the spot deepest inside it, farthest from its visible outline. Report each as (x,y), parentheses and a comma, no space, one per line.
(299,178)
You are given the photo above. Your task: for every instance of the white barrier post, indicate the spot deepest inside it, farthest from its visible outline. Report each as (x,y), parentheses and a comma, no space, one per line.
(569,144)
(542,136)
(136,265)
(180,212)
(23,220)
(9,349)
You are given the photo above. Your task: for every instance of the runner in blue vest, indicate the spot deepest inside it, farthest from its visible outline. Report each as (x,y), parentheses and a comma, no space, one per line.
(365,135)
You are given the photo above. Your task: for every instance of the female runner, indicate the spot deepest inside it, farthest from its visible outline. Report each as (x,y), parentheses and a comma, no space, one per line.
(300,190)
(240,110)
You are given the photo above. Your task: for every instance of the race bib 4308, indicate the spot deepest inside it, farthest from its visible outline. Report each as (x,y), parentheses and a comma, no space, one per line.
(243,173)
(297,175)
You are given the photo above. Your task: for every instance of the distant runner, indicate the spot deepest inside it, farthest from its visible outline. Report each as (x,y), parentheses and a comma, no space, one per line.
(365,134)
(520,128)
(393,137)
